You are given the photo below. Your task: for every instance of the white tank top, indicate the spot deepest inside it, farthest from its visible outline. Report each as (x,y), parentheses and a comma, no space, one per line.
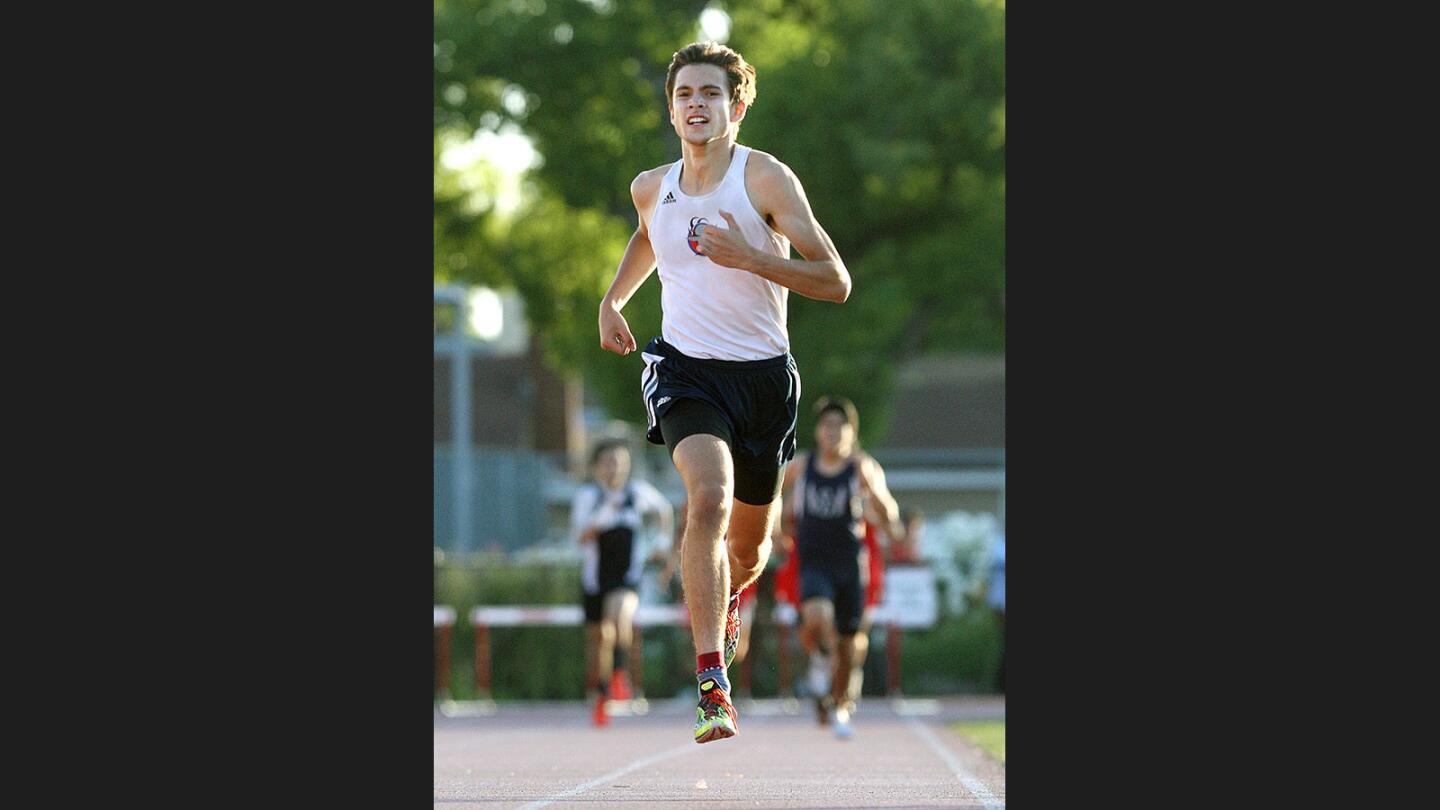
(708,310)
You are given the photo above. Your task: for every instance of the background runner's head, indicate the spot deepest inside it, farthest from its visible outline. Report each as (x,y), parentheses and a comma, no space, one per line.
(837,426)
(610,462)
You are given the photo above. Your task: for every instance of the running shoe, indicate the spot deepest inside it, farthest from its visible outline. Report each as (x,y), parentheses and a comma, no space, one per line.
(843,729)
(600,717)
(732,627)
(715,717)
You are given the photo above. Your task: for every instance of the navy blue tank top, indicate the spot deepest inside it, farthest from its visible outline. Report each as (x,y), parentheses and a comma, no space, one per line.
(828,529)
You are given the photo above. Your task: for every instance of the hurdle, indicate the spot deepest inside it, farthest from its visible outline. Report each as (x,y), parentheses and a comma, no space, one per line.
(484,617)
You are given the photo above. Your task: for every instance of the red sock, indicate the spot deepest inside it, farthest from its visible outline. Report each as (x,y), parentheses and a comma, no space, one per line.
(710,660)
(710,666)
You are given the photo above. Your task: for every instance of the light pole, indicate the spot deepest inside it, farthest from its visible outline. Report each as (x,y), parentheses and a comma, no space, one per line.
(460,347)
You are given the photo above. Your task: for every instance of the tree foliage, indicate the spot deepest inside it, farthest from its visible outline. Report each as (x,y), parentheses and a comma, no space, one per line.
(891,114)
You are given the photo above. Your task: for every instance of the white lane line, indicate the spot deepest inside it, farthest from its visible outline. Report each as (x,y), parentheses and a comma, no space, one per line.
(971,784)
(600,780)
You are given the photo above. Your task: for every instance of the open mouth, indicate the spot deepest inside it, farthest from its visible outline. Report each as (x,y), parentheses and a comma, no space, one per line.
(697,119)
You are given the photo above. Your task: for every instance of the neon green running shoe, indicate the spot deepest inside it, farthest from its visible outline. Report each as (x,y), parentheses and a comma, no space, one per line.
(715,717)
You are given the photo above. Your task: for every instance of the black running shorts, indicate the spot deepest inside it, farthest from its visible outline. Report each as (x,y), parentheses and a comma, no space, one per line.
(841,585)
(594,603)
(751,405)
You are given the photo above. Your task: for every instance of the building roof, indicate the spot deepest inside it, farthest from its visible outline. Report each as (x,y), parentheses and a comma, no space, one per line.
(949,401)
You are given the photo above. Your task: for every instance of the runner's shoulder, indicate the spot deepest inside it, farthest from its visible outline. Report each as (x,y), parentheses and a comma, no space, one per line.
(646,185)
(763,167)
(771,183)
(865,461)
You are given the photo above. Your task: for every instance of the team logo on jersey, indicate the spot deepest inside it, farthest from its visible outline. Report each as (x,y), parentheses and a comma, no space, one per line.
(829,503)
(669,198)
(697,227)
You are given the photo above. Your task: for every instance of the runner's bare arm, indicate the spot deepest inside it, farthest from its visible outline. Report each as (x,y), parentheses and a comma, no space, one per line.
(635,266)
(875,517)
(581,530)
(779,198)
(785,526)
(872,480)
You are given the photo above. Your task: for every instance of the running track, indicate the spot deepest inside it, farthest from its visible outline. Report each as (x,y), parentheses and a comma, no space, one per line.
(548,755)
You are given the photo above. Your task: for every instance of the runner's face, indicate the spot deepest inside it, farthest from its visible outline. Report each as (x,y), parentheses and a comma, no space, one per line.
(612,467)
(700,108)
(833,434)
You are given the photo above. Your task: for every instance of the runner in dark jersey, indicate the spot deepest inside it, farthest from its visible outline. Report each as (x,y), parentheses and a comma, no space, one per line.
(606,519)
(826,496)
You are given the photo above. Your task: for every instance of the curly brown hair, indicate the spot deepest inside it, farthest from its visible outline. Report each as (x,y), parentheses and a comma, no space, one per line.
(738,72)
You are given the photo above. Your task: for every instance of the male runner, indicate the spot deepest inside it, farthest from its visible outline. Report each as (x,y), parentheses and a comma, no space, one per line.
(828,491)
(787,612)
(605,519)
(720,387)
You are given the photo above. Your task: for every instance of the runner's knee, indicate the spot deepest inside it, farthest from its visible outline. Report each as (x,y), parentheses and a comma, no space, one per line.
(749,555)
(708,502)
(618,603)
(818,610)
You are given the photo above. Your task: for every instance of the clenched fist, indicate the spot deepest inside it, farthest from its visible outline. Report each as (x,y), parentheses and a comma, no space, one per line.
(614,331)
(727,246)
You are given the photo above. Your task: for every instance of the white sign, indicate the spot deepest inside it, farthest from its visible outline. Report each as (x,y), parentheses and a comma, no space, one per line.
(911,600)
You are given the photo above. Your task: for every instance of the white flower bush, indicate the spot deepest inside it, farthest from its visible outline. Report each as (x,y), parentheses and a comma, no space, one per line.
(958,546)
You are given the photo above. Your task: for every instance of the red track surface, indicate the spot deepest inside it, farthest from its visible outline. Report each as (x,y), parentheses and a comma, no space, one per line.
(548,755)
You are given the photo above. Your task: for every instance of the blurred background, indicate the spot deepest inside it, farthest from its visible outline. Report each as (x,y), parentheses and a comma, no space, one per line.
(893,117)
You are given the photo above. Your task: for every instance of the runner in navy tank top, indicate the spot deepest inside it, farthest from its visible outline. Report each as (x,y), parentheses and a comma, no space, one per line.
(829,493)
(828,532)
